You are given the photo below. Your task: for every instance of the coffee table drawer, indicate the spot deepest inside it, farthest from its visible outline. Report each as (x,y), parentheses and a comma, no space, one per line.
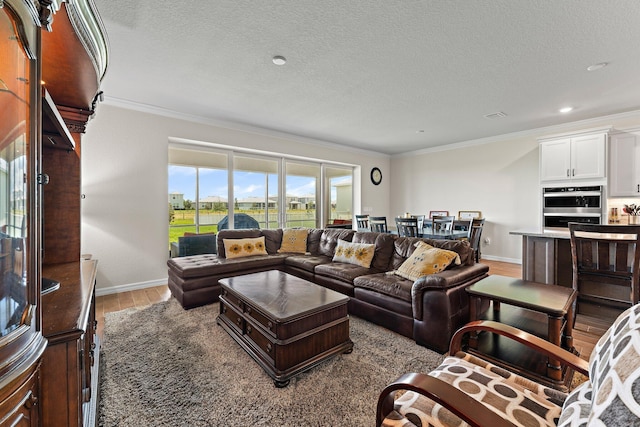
(260,341)
(233,300)
(234,319)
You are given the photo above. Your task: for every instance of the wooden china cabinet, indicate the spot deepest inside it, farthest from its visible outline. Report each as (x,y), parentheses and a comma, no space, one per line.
(53,55)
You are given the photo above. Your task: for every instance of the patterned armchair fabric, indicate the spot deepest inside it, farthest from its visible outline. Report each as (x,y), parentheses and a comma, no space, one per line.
(612,394)
(611,397)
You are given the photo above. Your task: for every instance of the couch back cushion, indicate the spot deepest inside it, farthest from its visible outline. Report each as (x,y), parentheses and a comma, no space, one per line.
(235,234)
(313,241)
(329,240)
(272,240)
(404,247)
(384,247)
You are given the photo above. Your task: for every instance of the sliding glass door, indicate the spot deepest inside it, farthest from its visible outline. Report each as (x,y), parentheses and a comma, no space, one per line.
(206,186)
(302,183)
(255,191)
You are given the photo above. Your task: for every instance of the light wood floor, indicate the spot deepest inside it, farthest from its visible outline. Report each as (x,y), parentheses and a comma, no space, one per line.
(586,333)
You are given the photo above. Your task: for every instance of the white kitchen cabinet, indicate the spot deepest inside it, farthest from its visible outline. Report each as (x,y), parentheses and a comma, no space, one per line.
(573,158)
(624,168)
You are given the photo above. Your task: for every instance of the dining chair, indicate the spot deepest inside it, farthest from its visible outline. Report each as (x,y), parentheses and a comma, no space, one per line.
(475,234)
(420,219)
(378,224)
(606,267)
(363,222)
(408,227)
(442,223)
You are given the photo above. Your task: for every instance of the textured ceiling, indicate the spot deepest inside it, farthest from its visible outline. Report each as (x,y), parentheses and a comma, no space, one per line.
(372,74)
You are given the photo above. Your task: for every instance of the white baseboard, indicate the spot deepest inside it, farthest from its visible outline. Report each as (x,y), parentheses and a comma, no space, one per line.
(502,259)
(129,287)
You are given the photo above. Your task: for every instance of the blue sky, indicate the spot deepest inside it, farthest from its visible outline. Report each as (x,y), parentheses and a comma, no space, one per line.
(213,182)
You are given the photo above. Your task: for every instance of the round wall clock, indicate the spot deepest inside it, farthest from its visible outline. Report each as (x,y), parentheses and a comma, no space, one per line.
(376,176)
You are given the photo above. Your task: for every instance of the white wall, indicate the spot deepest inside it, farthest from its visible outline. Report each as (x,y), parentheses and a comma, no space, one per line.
(497,176)
(124,180)
(124,161)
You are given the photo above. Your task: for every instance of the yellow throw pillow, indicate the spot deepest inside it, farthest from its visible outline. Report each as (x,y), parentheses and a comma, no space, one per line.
(426,260)
(294,240)
(354,253)
(236,248)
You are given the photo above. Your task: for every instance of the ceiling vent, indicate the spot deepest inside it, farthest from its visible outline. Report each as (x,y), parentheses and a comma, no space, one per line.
(497,115)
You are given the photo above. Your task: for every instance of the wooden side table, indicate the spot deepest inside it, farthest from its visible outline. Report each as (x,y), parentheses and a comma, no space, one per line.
(547,311)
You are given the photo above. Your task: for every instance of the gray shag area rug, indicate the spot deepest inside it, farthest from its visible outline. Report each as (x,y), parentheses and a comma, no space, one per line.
(164,366)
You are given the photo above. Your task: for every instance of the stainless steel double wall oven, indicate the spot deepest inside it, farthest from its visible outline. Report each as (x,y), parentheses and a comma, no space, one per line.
(562,205)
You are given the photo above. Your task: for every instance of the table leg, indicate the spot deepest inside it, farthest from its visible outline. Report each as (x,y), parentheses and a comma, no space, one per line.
(474,303)
(567,337)
(554,369)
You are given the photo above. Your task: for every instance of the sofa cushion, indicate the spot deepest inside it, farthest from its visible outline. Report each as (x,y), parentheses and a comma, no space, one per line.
(294,240)
(426,260)
(329,240)
(272,240)
(306,262)
(216,266)
(313,241)
(234,234)
(238,248)
(354,253)
(341,271)
(384,247)
(387,284)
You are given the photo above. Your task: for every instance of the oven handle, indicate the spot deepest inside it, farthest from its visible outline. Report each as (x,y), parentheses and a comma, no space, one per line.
(586,214)
(574,194)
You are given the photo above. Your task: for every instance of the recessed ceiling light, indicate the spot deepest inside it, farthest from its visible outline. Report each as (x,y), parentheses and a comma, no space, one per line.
(279,60)
(597,66)
(420,131)
(565,109)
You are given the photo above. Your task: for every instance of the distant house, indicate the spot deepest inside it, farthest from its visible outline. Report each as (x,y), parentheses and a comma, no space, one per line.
(210,202)
(256,203)
(176,200)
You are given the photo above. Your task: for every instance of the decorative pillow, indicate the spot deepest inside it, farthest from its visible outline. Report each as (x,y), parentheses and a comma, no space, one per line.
(354,253)
(294,240)
(426,260)
(236,248)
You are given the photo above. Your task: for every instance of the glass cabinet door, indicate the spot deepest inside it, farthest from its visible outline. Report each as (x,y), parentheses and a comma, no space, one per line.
(14,190)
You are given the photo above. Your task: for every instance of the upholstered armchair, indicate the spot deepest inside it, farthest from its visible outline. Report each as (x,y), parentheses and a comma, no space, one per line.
(468,388)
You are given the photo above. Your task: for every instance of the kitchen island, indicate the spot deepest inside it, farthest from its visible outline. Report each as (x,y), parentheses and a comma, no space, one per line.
(546,256)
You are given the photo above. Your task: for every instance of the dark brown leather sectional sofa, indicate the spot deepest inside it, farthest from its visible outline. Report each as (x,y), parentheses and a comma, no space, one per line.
(428,310)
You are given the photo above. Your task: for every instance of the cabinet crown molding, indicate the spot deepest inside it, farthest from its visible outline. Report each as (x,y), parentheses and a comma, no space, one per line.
(590,131)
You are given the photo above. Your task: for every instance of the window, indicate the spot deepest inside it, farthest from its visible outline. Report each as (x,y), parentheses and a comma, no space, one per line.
(206,186)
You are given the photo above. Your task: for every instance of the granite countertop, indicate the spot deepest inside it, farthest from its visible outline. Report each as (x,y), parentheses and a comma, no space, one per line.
(552,233)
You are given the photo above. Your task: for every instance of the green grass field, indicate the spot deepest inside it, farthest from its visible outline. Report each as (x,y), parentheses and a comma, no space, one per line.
(183,221)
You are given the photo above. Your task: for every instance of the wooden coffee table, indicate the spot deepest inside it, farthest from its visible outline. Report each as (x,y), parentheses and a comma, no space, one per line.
(544,310)
(287,324)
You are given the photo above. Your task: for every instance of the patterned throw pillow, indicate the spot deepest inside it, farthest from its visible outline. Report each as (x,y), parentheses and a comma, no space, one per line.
(294,240)
(236,248)
(426,260)
(354,253)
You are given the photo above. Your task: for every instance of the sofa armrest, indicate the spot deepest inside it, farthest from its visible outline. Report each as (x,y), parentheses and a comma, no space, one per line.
(445,279)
